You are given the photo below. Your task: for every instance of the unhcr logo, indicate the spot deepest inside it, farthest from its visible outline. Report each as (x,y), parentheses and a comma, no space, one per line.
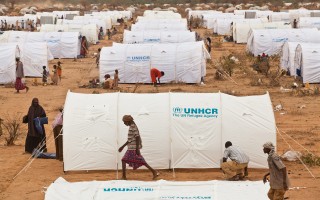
(195,112)
(128,189)
(138,58)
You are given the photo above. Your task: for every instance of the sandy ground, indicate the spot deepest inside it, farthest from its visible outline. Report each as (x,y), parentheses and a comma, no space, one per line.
(301,124)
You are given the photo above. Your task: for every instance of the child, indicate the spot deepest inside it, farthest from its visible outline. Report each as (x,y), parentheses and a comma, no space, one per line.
(55,75)
(44,76)
(59,70)
(108,83)
(116,79)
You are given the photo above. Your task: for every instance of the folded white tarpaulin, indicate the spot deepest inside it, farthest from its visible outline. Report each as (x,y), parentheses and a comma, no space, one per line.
(166,190)
(241,30)
(270,41)
(61,44)
(178,130)
(307,60)
(33,56)
(131,37)
(90,31)
(144,26)
(181,62)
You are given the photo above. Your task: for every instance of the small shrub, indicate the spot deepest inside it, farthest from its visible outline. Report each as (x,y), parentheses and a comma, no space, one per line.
(310,159)
(12,126)
(1,132)
(227,64)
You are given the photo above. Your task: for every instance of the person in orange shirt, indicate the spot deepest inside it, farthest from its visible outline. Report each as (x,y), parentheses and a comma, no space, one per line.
(156,74)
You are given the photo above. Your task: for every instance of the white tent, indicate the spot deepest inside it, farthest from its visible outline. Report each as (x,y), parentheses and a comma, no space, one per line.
(181,62)
(287,57)
(106,24)
(307,61)
(201,13)
(64,14)
(32,55)
(141,26)
(8,54)
(151,14)
(225,26)
(270,41)
(61,44)
(210,21)
(130,37)
(280,16)
(91,31)
(309,22)
(141,19)
(81,22)
(192,128)
(241,30)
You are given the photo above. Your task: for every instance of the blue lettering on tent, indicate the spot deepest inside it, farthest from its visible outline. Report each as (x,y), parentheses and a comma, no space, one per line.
(128,189)
(280,39)
(138,58)
(195,112)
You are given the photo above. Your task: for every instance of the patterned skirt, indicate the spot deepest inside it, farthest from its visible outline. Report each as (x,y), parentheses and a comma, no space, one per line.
(131,158)
(19,85)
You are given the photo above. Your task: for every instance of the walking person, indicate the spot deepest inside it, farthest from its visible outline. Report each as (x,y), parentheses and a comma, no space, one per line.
(45,74)
(84,47)
(19,75)
(237,168)
(133,156)
(35,139)
(279,181)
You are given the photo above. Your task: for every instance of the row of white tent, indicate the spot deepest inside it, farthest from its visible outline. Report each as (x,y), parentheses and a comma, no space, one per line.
(90,31)
(151,14)
(241,29)
(33,55)
(270,41)
(61,44)
(178,130)
(132,37)
(181,62)
(304,57)
(174,26)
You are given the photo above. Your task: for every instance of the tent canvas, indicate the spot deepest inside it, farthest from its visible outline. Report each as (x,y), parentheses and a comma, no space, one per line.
(152,190)
(8,54)
(61,44)
(270,41)
(307,61)
(90,31)
(32,55)
(93,128)
(130,37)
(287,57)
(159,26)
(241,30)
(181,62)
(309,22)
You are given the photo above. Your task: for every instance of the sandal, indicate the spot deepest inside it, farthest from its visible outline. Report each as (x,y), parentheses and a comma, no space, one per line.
(155,176)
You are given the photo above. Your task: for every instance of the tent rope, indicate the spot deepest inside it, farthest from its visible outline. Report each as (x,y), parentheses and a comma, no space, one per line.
(36,155)
(293,150)
(298,143)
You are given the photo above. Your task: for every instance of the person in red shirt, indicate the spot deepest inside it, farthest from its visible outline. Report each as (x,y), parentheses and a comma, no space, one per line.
(156,74)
